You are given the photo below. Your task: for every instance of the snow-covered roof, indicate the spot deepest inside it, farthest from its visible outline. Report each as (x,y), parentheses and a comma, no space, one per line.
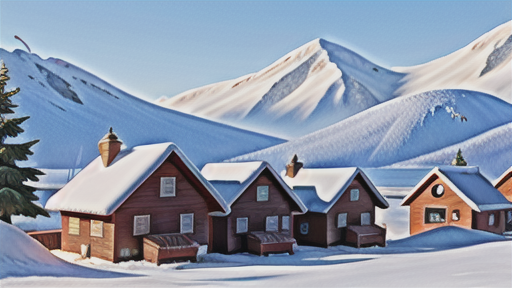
(232,179)
(471,186)
(101,190)
(499,179)
(320,188)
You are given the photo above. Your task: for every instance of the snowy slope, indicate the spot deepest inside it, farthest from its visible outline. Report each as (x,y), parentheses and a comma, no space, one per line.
(322,83)
(397,130)
(71,110)
(492,151)
(483,65)
(22,256)
(310,88)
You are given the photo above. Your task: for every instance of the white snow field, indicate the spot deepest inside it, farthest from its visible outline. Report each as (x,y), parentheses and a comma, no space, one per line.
(446,257)
(22,256)
(483,65)
(402,129)
(321,83)
(70,110)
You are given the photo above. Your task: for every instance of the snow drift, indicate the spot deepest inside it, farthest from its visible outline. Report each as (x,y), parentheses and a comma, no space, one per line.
(22,256)
(71,110)
(397,130)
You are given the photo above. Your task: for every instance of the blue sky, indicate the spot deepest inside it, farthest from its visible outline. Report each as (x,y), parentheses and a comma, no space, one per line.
(155,48)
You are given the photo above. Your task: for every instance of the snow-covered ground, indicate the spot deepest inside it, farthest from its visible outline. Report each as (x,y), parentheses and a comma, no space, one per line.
(447,257)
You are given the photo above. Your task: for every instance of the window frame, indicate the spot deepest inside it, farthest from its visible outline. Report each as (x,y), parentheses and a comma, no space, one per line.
(304,228)
(74,219)
(354,194)
(285,227)
(240,220)
(182,216)
(259,190)
(340,220)
(369,218)
(272,219)
(96,233)
(163,187)
(146,231)
(457,213)
(433,210)
(492,219)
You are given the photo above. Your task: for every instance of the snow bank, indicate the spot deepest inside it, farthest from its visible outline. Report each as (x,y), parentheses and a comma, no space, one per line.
(22,256)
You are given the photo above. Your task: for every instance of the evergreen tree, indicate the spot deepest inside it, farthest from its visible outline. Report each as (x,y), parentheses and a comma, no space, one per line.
(15,197)
(459,160)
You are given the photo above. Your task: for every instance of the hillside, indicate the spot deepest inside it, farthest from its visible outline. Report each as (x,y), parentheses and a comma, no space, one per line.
(397,130)
(71,110)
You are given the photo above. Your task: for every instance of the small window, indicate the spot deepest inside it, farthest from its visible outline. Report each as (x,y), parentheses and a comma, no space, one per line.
(438,190)
(168,187)
(262,193)
(96,228)
(435,215)
(272,224)
(342,220)
(304,228)
(140,225)
(509,216)
(365,218)
(125,253)
(491,219)
(285,225)
(242,225)
(456,215)
(74,226)
(354,195)
(187,223)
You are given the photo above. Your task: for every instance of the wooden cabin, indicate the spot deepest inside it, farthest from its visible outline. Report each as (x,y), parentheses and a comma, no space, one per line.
(261,207)
(504,185)
(456,196)
(124,195)
(341,207)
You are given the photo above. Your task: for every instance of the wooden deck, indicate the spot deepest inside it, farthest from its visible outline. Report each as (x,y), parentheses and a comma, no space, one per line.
(50,239)
(160,248)
(264,243)
(370,235)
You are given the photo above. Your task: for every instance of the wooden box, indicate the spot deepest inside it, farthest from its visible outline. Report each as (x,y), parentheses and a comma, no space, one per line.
(366,236)
(264,243)
(161,248)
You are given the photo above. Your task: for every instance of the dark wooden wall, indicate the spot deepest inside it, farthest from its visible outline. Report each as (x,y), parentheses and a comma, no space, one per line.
(366,203)
(165,212)
(50,239)
(317,234)
(450,201)
(101,247)
(505,187)
(279,204)
(481,221)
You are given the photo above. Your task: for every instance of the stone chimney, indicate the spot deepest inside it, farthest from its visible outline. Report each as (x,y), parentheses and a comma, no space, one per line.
(109,147)
(293,168)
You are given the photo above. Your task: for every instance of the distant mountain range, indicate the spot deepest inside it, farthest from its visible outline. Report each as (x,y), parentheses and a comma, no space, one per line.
(322,83)
(71,110)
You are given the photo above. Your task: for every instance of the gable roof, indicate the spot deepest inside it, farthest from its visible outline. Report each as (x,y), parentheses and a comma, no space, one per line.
(101,190)
(467,182)
(503,176)
(321,188)
(232,179)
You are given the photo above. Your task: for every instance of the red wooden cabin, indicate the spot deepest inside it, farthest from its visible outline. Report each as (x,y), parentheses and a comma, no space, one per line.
(504,185)
(260,202)
(124,195)
(456,196)
(341,207)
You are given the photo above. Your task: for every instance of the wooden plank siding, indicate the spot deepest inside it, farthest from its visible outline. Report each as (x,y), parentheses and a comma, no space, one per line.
(51,239)
(279,204)
(481,221)
(505,187)
(449,201)
(365,204)
(164,211)
(317,231)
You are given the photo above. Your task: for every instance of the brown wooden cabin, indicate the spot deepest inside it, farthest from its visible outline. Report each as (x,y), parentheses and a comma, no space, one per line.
(123,196)
(261,204)
(504,185)
(456,196)
(341,207)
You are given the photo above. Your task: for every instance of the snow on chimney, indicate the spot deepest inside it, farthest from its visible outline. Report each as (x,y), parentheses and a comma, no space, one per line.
(293,168)
(109,147)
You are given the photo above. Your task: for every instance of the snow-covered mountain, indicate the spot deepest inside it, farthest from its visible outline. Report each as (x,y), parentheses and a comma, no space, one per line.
(401,129)
(70,110)
(312,87)
(483,65)
(322,83)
